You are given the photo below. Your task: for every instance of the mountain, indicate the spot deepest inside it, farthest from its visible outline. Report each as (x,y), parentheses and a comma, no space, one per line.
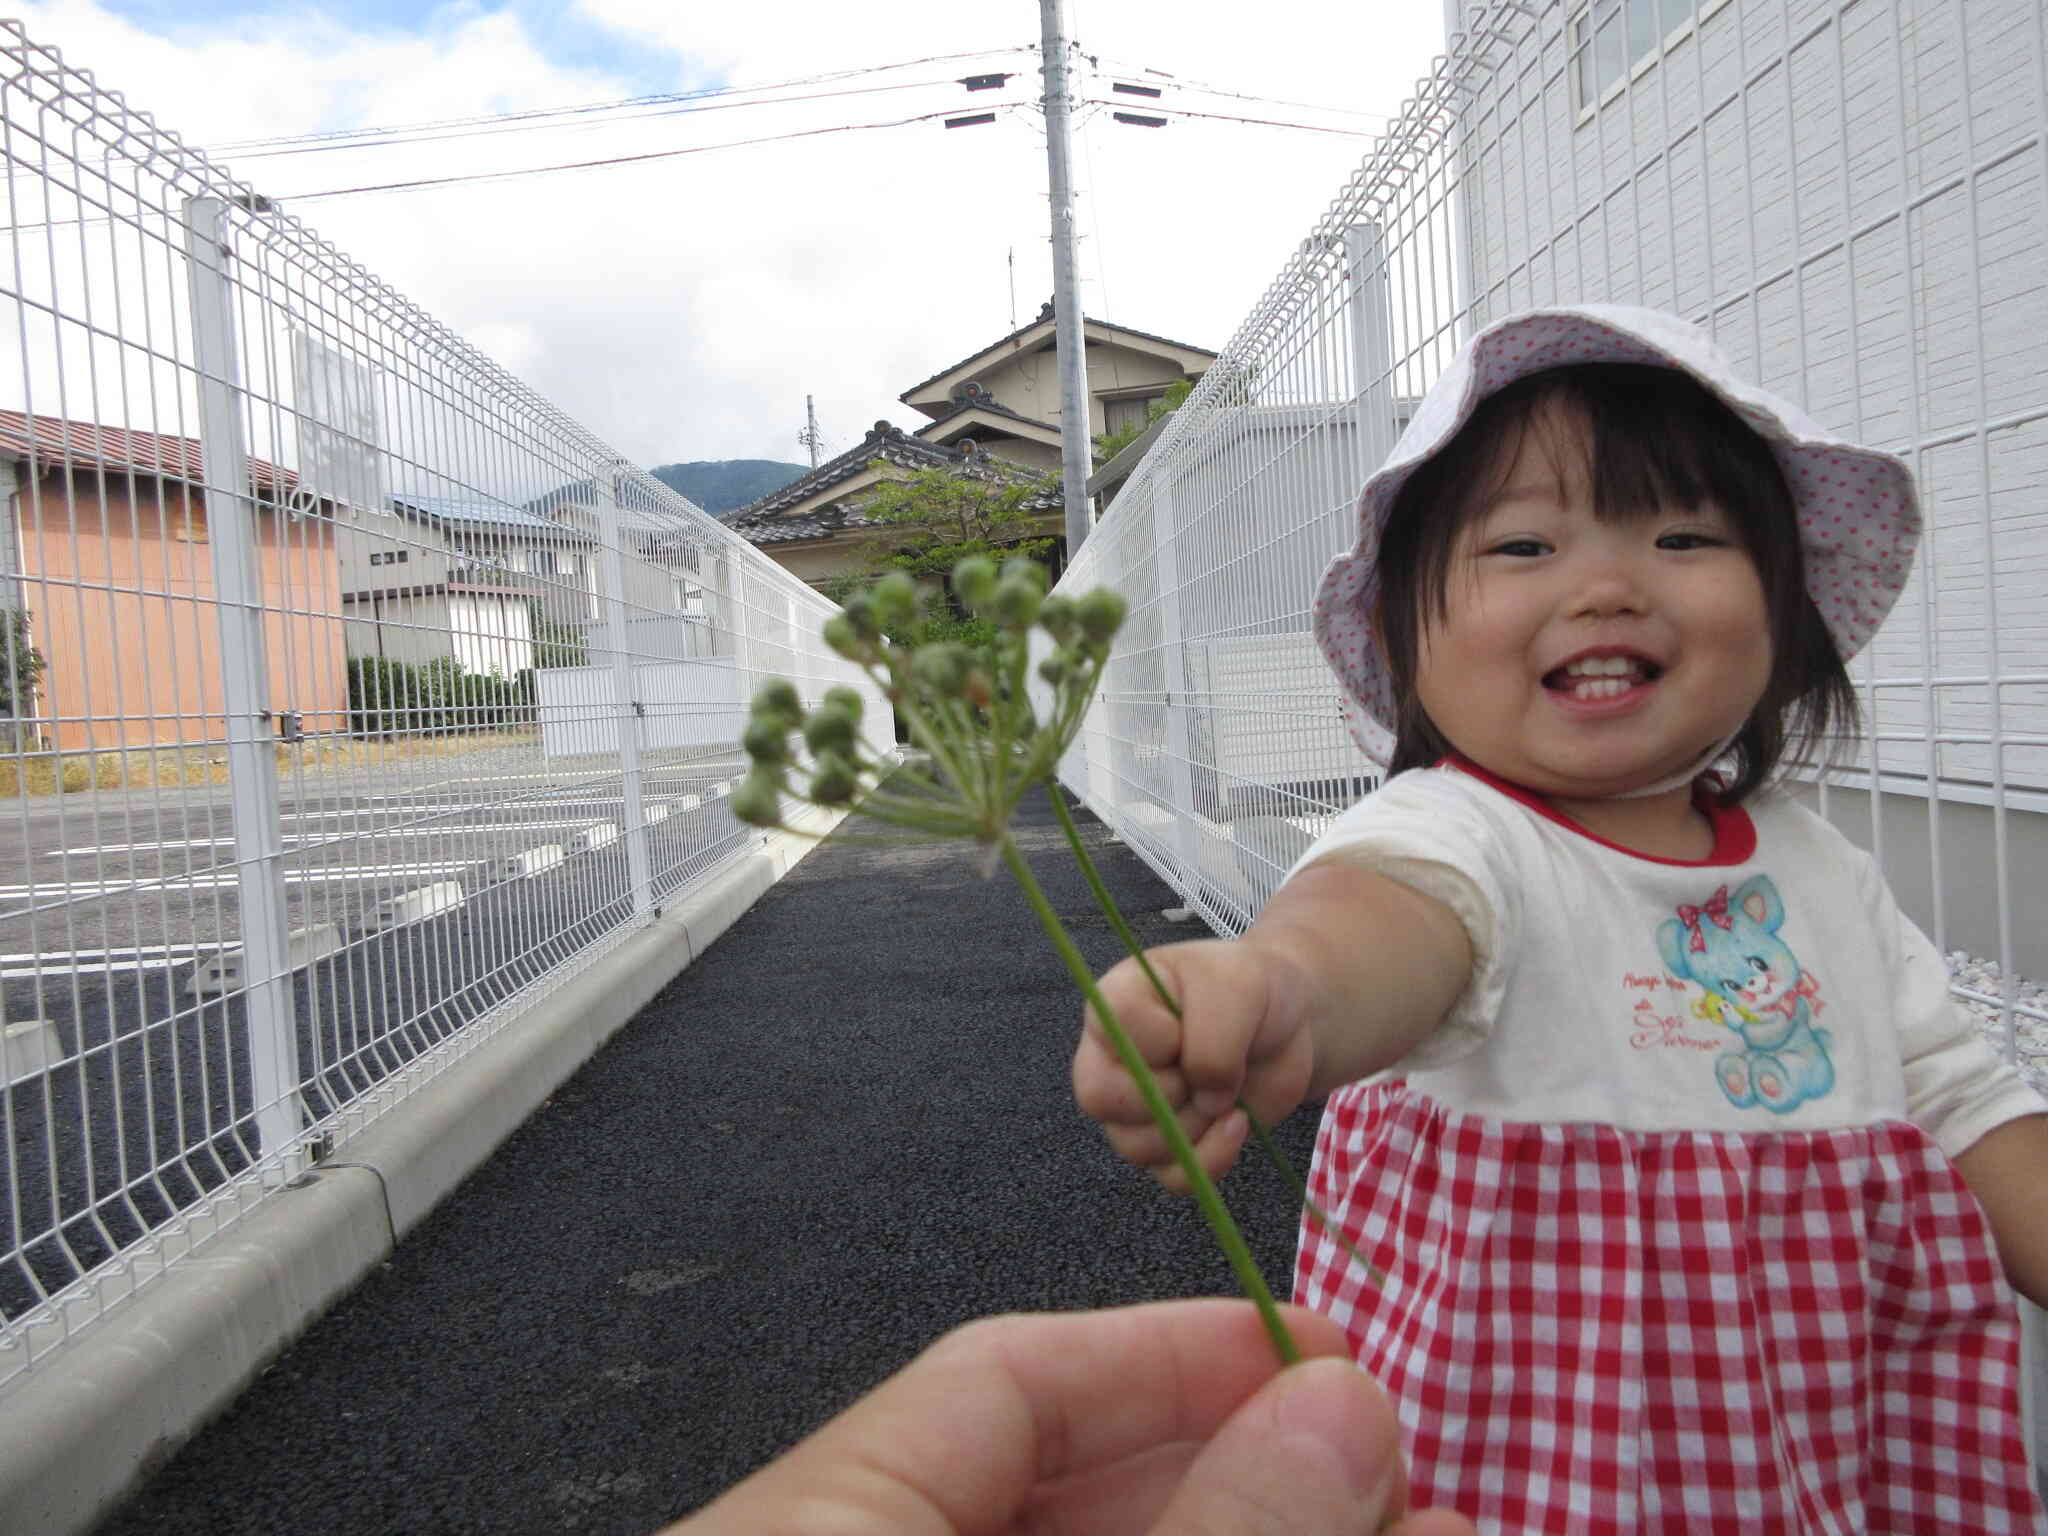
(721,486)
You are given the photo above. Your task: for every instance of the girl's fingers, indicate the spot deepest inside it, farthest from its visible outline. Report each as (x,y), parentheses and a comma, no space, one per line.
(1216,1149)
(1145,1144)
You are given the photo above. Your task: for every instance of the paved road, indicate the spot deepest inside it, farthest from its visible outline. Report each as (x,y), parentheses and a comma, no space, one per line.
(110,903)
(845,1129)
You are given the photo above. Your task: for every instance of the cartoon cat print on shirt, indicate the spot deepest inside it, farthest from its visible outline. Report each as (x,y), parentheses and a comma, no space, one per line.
(1756,987)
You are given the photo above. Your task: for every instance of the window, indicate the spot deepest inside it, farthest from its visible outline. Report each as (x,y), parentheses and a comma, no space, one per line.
(1609,37)
(542,562)
(1122,415)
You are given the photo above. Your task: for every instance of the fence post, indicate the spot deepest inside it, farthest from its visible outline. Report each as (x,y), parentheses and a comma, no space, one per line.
(231,521)
(1372,345)
(1187,837)
(626,686)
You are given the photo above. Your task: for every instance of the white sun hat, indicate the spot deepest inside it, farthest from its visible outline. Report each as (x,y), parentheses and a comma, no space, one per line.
(1859,516)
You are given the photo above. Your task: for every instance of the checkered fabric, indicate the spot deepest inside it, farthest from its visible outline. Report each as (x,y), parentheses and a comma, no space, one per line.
(1595,1330)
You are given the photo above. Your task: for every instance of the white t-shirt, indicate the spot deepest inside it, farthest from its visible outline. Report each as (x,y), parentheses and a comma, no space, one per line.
(1774,985)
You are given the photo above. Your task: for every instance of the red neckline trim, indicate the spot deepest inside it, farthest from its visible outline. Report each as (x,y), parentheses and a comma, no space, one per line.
(1734,832)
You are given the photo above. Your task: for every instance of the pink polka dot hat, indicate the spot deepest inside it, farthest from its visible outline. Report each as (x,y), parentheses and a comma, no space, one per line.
(1859,516)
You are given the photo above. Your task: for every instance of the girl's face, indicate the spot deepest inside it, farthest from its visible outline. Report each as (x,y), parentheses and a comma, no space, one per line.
(1582,658)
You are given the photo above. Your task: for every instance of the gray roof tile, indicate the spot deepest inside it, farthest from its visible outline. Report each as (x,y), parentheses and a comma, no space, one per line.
(760,523)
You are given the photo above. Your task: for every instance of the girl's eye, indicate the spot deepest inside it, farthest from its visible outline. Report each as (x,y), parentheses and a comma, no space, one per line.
(1689,540)
(1520,548)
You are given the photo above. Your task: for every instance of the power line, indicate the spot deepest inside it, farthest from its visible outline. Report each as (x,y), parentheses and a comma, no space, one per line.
(587,165)
(699,149)
(1206,89)
(655,99)
(1224,117)
(637,117)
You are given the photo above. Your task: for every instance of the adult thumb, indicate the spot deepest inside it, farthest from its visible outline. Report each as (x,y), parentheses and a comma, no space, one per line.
(1315,1452)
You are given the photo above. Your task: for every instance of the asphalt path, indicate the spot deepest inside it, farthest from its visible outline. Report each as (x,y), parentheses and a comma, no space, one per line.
(109,902)
(843,1130)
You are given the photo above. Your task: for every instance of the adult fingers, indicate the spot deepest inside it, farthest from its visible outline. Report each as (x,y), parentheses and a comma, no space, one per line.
(962,1441)
(1316,1452)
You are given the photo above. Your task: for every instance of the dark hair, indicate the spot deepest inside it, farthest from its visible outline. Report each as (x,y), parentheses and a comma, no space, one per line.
(1656,436)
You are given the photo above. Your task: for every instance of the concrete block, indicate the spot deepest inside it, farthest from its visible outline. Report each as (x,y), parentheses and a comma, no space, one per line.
(596,835)
(524,866)
(720,791)
(651,813)
(688,802)
(225,971)
(417,905)
(29,1048)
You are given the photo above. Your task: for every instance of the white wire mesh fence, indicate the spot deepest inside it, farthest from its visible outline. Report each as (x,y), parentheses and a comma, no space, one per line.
(354,696)
(1854,198)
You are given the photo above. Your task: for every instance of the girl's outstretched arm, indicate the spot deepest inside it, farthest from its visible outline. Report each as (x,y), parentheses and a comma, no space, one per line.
(1378,965)
(1343,973)
(2005,1170)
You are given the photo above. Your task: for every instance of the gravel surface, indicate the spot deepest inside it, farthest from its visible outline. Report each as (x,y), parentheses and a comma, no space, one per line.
(1984,977)
(844,1130)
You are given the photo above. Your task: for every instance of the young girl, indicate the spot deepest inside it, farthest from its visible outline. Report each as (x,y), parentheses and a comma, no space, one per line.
(1696,1194)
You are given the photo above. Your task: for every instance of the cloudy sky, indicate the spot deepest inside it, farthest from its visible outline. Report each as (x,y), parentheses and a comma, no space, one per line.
(682,307)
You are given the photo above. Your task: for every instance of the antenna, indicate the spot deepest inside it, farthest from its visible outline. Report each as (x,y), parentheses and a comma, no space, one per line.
(1013,287)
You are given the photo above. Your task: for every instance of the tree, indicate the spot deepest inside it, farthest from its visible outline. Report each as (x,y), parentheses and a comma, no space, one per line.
(21,664)
(931,521)
(555,644)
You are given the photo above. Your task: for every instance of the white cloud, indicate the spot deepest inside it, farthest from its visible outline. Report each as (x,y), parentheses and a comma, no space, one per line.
(683,308)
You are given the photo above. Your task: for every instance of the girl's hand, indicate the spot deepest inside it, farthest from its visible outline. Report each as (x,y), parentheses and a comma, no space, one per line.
(1241,1035)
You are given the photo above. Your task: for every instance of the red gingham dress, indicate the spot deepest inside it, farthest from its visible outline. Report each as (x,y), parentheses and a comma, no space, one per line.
(1591,1329)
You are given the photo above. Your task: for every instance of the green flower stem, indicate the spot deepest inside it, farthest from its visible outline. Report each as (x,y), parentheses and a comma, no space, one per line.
(923,732)
(1078,697)
(1213,1209)
(1130,941)
(916,815)
(999,709)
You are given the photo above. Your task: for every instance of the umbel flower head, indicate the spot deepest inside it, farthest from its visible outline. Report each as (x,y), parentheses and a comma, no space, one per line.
(971,711)
(969,708)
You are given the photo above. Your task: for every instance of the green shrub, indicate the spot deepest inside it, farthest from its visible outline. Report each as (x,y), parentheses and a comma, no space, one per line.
(391,698)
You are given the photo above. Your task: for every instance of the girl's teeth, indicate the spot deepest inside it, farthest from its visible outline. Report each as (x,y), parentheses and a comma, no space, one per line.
(1599,687)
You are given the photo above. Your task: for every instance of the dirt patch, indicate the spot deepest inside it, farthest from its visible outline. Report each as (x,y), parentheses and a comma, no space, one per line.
(65,773)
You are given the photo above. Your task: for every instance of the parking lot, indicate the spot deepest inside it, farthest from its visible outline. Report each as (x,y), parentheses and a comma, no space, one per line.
(416,900)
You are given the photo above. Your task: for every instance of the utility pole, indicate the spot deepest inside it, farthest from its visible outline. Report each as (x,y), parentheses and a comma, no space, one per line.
(1075,457)
(809,436)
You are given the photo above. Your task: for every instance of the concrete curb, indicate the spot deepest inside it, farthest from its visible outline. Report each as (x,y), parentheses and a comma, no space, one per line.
(78,1434)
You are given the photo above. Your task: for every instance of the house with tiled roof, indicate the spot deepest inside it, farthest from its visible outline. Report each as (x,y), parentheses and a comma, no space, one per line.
(1007,395)
(813,525)
(995,411)
(107,548)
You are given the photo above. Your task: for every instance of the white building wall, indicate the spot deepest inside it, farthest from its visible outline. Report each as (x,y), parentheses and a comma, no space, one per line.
(408,629)
(491,634)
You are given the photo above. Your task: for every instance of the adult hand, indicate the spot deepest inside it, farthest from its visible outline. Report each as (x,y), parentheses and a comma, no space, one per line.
(1171,1418)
